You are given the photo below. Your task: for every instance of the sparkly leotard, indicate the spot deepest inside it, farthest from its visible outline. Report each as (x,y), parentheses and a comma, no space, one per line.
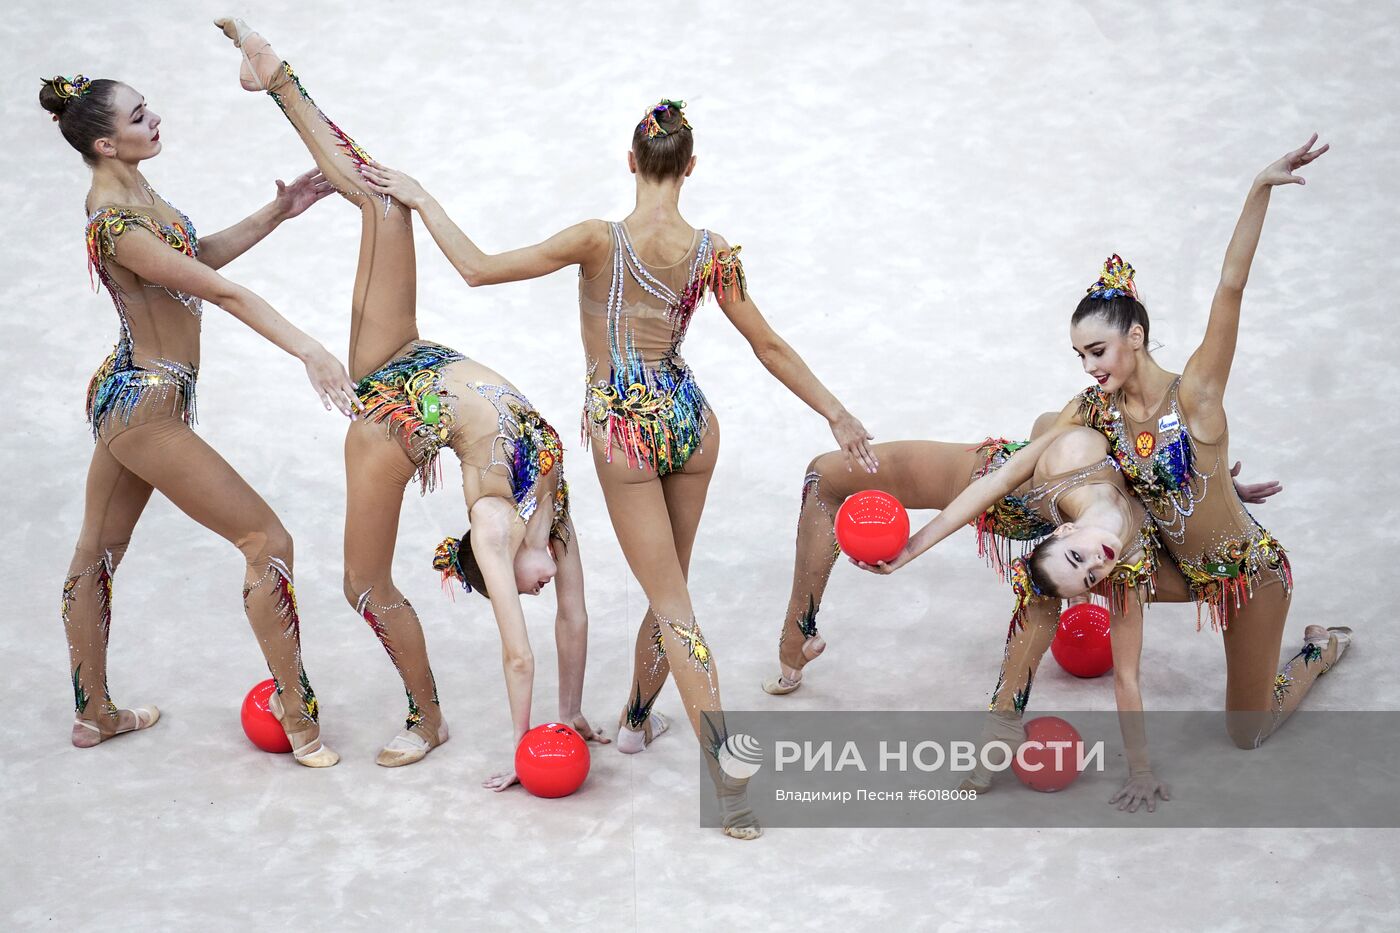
(429,398)
(642,397)
(138,369)
(1010,519)
(1137,565)
(1185,484)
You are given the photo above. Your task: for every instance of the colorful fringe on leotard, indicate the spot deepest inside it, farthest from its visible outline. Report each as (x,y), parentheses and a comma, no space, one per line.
(657,416)
(406,395)
(1009,519)
(1225,576)
(119,385)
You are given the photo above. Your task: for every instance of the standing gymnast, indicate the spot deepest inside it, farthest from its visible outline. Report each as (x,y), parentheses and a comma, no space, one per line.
(141,404)
(655,439)
(419,397)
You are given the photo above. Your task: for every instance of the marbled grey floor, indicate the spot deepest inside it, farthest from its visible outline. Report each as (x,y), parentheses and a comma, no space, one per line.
(922,192)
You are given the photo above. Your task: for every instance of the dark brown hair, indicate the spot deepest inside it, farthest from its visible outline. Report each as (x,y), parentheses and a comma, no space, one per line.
(665,155)
(1120,313)
(1035,566)
(83,118)
(468,567)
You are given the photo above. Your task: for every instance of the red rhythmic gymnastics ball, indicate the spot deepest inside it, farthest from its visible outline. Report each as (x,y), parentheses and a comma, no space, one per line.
(872,526)
(1049,765)
(552,760)
(1082,644)
(261,727)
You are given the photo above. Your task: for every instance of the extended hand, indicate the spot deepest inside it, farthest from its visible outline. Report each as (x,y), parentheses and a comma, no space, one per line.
(853,438)
(1281,172)
(500,780)
(1140,788)
(331,382)
(396,184)
(304,191)
(1254,493)
(886,567)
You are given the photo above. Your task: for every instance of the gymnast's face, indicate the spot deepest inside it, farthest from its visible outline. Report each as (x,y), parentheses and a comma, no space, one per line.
(1077,558)
(1108,354)
(534,568)
(137,132)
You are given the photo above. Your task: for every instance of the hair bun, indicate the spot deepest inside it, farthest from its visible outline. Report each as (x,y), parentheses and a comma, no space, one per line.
(1115,280)
(58,92)
(51,101)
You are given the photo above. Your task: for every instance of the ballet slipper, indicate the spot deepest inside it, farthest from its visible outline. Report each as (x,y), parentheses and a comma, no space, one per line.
(655,726)
(408,747)
(737,820)
(264,75)
(791,677)
(311,753)
(87,734)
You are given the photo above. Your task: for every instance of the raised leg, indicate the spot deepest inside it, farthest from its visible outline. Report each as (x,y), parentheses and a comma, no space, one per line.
(383,309)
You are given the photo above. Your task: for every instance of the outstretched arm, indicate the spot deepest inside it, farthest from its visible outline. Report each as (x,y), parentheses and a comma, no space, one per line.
(780,359)
(1203,380)
(584,244)
(219,249)
(157,263)
(971,502)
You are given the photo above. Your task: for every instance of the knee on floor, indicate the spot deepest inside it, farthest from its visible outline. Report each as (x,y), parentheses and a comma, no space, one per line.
(1248,729)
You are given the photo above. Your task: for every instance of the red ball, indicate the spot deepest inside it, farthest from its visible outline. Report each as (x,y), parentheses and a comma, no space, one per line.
(1041,771)
(1082,644)
(552,760)
(261,727)
(872,526)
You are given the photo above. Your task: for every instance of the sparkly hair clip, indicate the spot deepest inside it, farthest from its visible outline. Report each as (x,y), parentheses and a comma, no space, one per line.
(653,126)
(447,560)
(1116,280)
(67,89)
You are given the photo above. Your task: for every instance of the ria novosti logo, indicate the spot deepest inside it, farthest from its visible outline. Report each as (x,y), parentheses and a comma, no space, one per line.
(740,756)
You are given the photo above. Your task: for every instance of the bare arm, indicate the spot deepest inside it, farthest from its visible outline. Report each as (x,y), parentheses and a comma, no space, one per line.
(571,637)
(1142,786)
(495,537)
(972,501)
(219,249)
(584,244)
(1206,373)
(780,359)
(156,262)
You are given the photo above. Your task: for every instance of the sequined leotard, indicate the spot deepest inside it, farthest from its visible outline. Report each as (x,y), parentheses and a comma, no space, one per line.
(1137,565)
(430,396)
(1030,633)
(150,367)
(642,398)
(1186,485)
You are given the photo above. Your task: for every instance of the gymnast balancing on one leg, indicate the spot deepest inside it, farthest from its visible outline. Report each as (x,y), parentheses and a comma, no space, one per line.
(419,397)
(655,439)
(141,403)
